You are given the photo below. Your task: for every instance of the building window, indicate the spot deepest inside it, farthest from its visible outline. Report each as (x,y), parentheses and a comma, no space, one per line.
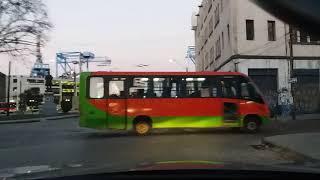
(203,63)
(31,80)
(228,28)
(14,89)
(40,81)
(217,15)
(15,80)
(301,37)
(250,29)
(210,7)
(271,30)
(222,40)
(212,55)
(211,26)
(218,48)
(206,60)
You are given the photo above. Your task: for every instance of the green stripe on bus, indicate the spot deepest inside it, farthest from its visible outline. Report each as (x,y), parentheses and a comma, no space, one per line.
(187,122)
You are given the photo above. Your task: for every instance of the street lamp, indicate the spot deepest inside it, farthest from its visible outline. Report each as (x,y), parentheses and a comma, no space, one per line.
(75,77)
(173,61)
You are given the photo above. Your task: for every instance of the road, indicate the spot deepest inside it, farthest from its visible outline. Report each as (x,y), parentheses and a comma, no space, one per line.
(62,142)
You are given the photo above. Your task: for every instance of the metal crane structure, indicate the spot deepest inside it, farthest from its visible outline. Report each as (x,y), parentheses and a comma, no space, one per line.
(65,60)
(39,69)
(191,54)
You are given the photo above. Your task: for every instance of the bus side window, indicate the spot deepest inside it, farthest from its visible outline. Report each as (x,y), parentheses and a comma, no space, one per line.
(166,87)
(116,89)
(140,88)
(96,90)
(229,87)
(245,91)
(205,87)
(192,88)
(249,92)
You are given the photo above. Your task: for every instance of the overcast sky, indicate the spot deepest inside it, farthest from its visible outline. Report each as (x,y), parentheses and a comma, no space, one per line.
(130,32)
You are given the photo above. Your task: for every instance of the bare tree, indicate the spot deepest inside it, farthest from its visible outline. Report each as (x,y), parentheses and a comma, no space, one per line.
(22,22)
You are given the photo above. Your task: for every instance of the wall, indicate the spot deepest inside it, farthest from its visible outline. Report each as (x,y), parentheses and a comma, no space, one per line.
(205,40)
(260,45)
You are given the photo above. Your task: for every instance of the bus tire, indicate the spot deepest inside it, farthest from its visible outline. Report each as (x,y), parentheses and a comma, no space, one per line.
(252,124)
(142,126)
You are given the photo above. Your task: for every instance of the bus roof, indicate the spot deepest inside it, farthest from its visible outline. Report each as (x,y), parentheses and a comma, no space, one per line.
(205,73)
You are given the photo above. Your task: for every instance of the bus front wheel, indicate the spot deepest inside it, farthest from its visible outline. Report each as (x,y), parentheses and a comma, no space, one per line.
(251,124)
(142,127)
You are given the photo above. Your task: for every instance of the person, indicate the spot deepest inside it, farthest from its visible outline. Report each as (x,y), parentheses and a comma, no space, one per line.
(48,82)
(284,104)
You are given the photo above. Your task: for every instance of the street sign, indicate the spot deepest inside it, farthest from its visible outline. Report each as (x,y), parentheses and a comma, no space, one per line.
(293,80)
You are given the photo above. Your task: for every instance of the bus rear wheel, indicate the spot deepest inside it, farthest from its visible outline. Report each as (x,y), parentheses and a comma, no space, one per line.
(251,124)
(142,127)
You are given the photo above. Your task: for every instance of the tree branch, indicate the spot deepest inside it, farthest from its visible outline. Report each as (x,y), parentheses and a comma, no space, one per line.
(21,22)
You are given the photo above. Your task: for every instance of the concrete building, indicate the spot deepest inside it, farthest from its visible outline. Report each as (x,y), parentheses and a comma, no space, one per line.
(237,35)
(19,84)
(62,88)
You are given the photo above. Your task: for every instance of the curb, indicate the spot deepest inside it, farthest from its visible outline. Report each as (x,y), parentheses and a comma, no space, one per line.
(61,117)
(38,119)
(20,121)
(288,150)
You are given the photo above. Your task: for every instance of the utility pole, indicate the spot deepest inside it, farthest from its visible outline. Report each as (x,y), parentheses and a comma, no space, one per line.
(75,83)
(8,90)
(291,62)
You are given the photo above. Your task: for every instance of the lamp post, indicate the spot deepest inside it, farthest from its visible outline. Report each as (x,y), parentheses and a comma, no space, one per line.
(173,61)
(74,74)
(8,90)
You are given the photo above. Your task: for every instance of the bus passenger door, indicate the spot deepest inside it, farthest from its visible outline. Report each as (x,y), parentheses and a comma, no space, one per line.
(116,104)
(230,93)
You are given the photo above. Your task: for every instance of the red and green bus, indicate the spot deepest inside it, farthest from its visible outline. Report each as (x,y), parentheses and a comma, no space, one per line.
(142,101)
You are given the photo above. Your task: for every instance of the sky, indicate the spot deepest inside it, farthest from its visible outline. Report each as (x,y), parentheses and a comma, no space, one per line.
(130,32)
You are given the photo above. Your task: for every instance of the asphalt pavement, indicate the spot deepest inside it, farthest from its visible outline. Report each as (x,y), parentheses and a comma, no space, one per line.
(63,142)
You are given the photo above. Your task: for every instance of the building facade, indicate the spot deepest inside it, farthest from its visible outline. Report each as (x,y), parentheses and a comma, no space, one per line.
(237,35)
(19,84)
(63,89)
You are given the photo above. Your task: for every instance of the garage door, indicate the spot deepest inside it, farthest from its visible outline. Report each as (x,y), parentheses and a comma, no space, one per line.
(307,91)
(267,82)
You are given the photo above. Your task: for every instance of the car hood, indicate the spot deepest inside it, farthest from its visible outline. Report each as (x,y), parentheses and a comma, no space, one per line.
(46,171)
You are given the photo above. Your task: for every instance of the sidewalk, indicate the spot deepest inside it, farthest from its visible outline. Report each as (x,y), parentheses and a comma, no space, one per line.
(305,144)
(308,117)
(38,119)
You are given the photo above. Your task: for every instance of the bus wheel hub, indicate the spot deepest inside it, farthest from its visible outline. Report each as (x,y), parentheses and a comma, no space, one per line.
(142,128)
